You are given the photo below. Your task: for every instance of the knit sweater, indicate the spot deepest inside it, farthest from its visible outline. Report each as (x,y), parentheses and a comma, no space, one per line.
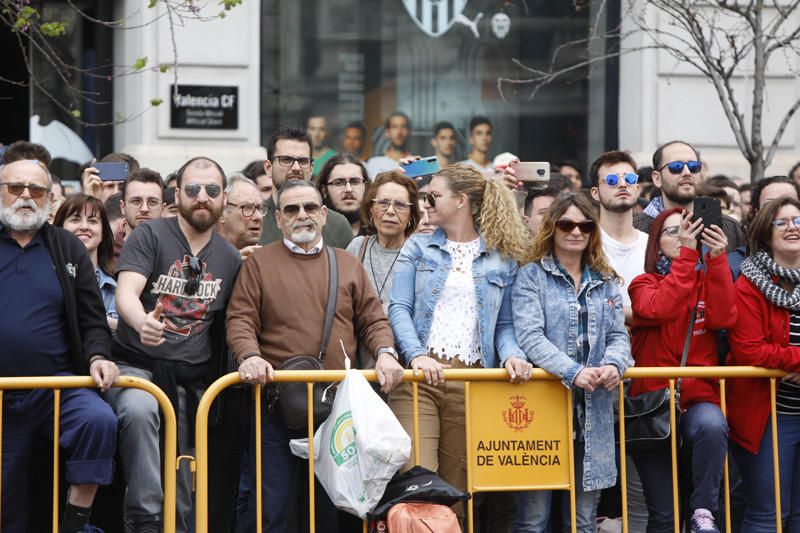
(278,308)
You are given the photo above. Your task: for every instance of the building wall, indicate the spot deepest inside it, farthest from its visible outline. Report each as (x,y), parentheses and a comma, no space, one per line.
(662,99)
(220,52)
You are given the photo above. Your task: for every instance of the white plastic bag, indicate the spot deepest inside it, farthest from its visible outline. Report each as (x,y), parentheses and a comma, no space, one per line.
(358,448)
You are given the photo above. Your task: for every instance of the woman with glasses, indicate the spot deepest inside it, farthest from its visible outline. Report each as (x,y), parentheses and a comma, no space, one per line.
(679,305)
(343,182)
(451,307)
(567,313)
(85,217)
(767,334)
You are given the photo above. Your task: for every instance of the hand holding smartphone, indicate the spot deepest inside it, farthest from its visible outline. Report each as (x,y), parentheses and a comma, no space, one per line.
(709,209)
(532,174)
(114,171)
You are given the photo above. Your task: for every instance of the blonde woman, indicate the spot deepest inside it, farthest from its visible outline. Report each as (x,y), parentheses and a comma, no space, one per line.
(450,306)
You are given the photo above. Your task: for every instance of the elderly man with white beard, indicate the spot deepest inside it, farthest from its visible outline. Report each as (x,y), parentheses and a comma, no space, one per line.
(52,323)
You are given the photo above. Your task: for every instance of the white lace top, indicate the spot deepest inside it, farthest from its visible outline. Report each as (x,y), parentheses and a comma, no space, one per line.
(454,331)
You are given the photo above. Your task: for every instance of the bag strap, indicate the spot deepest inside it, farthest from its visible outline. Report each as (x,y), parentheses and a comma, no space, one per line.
(686,344)
(330,306)
(362,253)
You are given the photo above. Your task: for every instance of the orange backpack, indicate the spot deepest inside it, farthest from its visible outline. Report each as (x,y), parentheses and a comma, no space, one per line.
(422,518)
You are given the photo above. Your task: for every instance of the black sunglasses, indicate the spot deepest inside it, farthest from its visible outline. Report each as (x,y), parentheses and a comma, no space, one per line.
(292,210)
(193,189)
(193,276)
(566,225)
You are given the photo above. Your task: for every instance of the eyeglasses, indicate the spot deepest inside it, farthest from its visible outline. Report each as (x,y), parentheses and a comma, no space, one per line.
(430,198)
(288,161)
(782,224)
(137,202)
(248,210)
(193,189)
(400,207)
(193,276)
(671,231)
(676,167)
(567,226)
(631,178)
(341,183)
(292,210)
(36,191)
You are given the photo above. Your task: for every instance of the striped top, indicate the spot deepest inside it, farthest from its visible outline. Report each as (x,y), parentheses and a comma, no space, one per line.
(788,396)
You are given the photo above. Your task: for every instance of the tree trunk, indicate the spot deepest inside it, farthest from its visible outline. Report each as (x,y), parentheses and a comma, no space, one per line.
(757,169)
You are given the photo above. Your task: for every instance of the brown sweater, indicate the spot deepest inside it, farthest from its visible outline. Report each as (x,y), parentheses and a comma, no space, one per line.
(277,308)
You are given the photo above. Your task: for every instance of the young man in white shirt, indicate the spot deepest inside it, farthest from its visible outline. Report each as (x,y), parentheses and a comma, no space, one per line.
(615,187)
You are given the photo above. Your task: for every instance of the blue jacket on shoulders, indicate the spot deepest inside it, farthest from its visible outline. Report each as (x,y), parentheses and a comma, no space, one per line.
(545,311)
(418,280)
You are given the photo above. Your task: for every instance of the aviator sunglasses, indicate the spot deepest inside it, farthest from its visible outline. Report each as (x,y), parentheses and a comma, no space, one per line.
(193,189)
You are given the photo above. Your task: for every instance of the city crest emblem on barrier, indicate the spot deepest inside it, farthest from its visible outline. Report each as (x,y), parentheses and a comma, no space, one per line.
(435,17)
(518,417)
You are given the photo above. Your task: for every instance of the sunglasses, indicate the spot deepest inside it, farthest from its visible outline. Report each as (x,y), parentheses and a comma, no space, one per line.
(782,224)
(631,178)
(36,191)
(292,210)
(567,226)
(431,199)
(676,167)
(193,189)
(193,276)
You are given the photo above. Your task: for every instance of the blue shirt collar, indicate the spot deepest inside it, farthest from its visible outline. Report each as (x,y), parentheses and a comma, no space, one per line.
(104,279)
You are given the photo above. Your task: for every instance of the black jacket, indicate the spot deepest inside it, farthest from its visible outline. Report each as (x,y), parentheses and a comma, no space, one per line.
(87,327)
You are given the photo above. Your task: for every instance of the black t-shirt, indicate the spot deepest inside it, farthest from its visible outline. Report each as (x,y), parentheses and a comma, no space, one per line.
(159,251)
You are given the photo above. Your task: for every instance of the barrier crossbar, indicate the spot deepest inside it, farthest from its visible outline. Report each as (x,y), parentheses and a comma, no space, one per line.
(481,375)
(59,383)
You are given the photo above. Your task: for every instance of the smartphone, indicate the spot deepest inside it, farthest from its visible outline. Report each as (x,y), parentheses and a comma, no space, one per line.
(709,209)
(115,171)
(532,173)
(426,166)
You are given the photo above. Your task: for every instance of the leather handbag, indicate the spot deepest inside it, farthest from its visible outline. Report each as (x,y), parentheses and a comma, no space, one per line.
(292,397)
(647,424)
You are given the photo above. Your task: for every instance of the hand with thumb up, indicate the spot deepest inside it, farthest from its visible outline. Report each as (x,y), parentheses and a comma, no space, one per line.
(152,330)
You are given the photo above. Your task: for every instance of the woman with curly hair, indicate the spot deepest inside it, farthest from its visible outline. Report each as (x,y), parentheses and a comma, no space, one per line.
(567,314)
(450,306)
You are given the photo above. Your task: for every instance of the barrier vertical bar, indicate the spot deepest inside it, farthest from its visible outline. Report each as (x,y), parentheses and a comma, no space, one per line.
(726,475)
(673,439)
(1,459)
(56,436)
(415,418)
(259,429)
(775,469)
(623,464)
(311,499)
(468,426)
(571,447)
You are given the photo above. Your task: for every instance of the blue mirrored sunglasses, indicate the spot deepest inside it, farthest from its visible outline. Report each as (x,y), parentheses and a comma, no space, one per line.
(676,167)
(612,180)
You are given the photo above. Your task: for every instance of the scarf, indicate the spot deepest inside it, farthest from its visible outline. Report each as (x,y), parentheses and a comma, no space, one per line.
(655,207)
(760,268)
(663,264)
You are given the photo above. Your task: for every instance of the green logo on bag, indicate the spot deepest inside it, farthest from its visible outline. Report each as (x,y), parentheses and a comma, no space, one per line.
(343,439)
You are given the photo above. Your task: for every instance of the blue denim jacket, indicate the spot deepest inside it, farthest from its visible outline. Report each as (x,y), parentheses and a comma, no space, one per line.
(545,310)
(419,276)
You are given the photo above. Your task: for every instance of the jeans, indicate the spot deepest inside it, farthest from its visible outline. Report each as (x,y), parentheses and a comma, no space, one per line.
(705,435)
(533,507)
(757,474)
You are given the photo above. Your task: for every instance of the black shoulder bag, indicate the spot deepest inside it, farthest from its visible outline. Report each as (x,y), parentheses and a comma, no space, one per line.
(292,397)
(647,427)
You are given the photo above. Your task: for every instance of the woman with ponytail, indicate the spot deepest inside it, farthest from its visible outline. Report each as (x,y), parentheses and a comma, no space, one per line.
(451,308)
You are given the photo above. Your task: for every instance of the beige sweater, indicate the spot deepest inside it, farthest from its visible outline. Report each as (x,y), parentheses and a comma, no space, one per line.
(277,308)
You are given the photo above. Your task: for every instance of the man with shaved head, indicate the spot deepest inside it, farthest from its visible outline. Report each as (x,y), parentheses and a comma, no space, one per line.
(175,279)
(53,323)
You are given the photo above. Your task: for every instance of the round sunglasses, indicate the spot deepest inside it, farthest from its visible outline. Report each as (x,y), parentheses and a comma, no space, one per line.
(630,178)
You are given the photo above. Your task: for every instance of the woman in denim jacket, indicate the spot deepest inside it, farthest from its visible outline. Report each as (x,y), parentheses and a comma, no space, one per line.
(568,317)
(451,307)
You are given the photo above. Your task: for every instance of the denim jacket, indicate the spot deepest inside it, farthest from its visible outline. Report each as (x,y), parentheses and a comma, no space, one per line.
(545,310)
(419,276)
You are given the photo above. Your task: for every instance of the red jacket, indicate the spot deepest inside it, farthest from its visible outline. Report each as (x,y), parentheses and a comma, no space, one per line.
(662,307)
(760,338)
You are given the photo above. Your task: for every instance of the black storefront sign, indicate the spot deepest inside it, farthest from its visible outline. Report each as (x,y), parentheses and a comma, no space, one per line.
(204,107)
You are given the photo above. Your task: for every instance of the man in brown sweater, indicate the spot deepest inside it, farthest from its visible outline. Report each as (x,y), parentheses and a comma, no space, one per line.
(277,310)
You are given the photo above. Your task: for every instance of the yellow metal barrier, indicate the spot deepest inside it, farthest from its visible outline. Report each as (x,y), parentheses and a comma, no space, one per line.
(58,383)
(468,376)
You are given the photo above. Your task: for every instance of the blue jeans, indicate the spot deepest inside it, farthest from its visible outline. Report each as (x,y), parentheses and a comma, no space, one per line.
(705,435)
(757,474)
(533,507)
(283,484)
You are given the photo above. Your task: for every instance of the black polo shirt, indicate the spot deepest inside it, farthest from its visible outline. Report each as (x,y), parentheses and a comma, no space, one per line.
(33,325)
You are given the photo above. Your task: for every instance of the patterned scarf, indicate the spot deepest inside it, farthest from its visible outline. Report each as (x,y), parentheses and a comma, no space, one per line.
(759,268)
(655,207)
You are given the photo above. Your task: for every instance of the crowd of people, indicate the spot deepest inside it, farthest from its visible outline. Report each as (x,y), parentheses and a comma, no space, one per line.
(181,278)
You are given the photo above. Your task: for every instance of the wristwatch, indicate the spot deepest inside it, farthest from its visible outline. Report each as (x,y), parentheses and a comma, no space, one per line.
(390,350)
